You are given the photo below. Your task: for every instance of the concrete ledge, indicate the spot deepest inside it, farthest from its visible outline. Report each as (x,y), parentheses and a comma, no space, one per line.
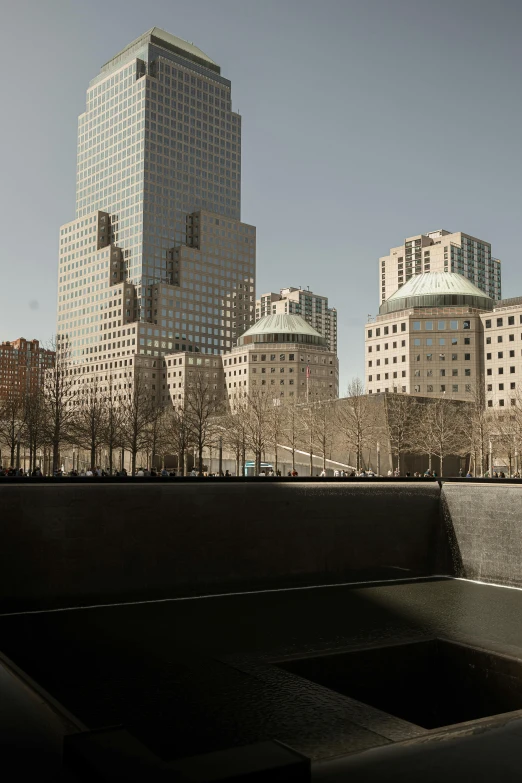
(69,544)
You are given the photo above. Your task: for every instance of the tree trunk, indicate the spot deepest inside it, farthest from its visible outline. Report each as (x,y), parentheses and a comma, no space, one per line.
(441,461)
(56,456)
(243,457)
(237,461)
(293,457)
(200,459)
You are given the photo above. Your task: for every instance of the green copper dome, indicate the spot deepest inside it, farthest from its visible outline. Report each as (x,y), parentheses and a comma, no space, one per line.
(281,329)
(437,289)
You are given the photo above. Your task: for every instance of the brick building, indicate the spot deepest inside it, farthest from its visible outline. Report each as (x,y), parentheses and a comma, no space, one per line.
(22,367)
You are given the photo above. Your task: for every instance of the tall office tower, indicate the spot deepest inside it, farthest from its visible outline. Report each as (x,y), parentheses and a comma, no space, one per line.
(440,251)
(312,307)
(156,259)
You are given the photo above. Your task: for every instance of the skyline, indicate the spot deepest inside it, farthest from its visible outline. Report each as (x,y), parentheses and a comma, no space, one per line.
(357,205)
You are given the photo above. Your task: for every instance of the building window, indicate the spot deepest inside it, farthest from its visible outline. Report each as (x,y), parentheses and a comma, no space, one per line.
(466,325)
(501,371)
(417,326)
(455,387)
(443,387)
(490,403)
(488,323)
(512,369)
(499,322)
(416,388)
(428,325)
(467,357)
(501,403)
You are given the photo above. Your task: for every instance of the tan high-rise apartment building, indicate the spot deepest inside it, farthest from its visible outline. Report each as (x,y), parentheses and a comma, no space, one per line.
(157,259)
(298,301)
(428,338)
(440,251)
(22,368)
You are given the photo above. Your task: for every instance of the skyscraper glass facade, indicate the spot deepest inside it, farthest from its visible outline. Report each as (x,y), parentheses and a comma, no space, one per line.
(157,253)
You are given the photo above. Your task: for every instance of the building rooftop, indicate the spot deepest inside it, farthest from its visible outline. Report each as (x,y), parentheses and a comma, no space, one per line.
(281,328)
(437,289)
(173,43)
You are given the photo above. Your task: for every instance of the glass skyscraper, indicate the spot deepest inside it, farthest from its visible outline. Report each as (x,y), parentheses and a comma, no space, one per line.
(156,259)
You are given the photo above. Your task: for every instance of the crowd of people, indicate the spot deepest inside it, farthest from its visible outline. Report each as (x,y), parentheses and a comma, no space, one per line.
(142,472)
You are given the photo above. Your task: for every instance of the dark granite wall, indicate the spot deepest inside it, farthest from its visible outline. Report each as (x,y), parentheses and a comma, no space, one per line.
(82,543)
(485,522)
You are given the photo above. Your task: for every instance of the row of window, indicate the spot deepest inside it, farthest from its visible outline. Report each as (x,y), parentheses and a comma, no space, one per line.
(500,370)
(441,325)
(386,330)
(500,339)
(510,321)
(442,388)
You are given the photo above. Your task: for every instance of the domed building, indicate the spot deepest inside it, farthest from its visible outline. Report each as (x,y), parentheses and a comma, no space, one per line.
(284,356)
(428,338)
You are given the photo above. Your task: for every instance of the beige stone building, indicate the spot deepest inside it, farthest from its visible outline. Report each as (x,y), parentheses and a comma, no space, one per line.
(428,338)
(179,374)
(503,353)
(285,357)
(298,301)
(440,251)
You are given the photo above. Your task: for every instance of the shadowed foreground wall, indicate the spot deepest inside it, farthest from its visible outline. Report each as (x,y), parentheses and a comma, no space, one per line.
(486,520)
(83,543)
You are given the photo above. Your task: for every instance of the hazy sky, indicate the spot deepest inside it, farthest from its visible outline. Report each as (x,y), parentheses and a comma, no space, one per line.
(364,121)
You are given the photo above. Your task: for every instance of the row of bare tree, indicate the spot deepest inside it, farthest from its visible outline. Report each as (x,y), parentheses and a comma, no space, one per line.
(96,414)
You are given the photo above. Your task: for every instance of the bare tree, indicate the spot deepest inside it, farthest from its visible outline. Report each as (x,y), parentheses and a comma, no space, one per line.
(234,431)
(112,435)
(324,427)
(479,431)
(441,429)
(88,427)
(259,411)
(156,439)
(400,415)
(60,391)
(177,435)
(276,426)
(293,427)
(358,421)
(34,424)
(137,411)
(12,423)
(202,408)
